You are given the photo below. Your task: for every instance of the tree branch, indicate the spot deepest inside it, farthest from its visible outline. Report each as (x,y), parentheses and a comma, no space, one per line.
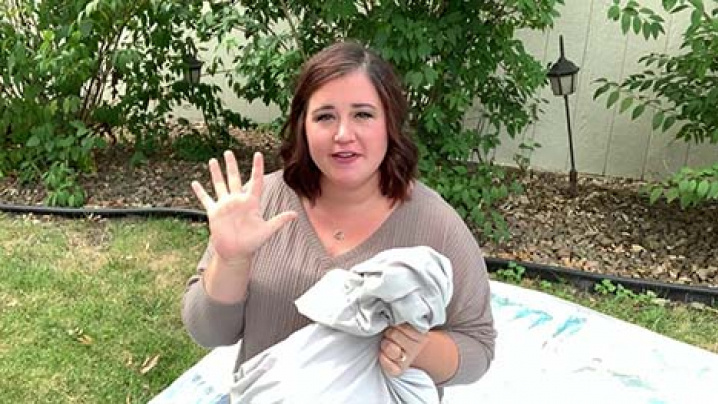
(19,17)
(367,6)
(292,28)
(91,86)
(92,98)
(9,91)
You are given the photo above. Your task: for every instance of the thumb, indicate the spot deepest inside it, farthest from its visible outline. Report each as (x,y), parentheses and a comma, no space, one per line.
(280,220)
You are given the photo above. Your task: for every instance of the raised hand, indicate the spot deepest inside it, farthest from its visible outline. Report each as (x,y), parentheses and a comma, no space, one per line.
(237,228)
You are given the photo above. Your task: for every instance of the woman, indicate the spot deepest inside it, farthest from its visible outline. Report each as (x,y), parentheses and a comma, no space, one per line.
(347,192)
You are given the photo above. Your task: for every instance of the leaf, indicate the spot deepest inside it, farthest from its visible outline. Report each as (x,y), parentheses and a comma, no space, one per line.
(668,122)
(33,141)
(696,17)
(713,193)
(612,99)
(460,169)
(614,12)
(601,90)
(637,25)
(77,333)
(658,28)
(646,10)
(85,339)
(655,194)
(657,120)
(65,142)
(698,4)
(669,4)
(703,188)
(671,195)
(679,8)
(430,75)
(687,186)
(647,30)
(638,111)
(86,27)
(625,23)
(149,363)
(625,104)
(686,200)
(646,85)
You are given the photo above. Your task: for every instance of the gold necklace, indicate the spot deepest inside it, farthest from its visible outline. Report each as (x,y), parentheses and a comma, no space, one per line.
(337,234)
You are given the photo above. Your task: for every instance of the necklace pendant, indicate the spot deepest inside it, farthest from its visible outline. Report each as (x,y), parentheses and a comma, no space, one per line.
(338,235)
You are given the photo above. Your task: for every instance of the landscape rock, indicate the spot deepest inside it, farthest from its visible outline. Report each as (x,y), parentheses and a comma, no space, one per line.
(609,227)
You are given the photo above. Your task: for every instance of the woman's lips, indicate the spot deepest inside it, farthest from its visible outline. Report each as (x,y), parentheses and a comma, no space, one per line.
(345,157)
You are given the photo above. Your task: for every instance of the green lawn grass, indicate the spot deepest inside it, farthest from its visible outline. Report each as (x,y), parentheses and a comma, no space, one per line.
(87,304)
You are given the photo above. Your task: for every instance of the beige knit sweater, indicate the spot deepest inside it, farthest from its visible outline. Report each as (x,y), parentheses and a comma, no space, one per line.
(293,259)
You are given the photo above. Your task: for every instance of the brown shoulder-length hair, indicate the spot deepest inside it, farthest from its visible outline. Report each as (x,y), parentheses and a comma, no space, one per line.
(398,168)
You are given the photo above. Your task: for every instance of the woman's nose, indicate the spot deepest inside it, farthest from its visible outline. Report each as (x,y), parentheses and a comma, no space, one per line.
(345,133)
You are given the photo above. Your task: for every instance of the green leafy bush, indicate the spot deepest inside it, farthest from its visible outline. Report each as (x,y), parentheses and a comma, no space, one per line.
(73,73)
(62,188)
(680,89)
(513,273)
(690,187)
(41,79)
(452,55)
(620,292)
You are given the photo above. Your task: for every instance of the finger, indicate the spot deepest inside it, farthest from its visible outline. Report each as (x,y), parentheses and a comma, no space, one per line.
(201,194)
(280,220)
(389,366)
(410,332)
(257,175)
(234,179)
(392,350)
(396,336)
(220,188)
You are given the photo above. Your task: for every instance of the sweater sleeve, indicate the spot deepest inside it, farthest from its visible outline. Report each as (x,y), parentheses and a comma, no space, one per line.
(209,322)
(469,319)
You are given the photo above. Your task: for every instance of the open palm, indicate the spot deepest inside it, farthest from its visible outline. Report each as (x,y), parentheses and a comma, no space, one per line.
(236,224)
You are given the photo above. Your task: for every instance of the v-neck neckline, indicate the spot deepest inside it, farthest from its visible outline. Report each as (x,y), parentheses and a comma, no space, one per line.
(316,242)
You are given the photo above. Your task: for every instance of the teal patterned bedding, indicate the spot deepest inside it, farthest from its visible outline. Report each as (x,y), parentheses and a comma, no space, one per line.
(548,351)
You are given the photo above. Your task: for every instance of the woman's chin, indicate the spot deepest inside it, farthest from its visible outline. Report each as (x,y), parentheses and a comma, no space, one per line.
(351,181)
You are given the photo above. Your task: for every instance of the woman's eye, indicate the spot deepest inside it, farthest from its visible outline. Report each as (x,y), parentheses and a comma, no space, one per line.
(364,115)
(323,117)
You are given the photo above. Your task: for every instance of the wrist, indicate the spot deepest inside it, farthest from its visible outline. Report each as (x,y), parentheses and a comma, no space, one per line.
(226,280)
(439,357)
(240,261)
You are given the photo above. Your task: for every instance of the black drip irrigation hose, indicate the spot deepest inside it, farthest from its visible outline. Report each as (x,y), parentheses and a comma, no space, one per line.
(580,279)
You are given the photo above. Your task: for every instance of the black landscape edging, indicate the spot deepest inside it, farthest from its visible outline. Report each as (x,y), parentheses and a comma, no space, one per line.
(586,281)
(190,214)
(582,280)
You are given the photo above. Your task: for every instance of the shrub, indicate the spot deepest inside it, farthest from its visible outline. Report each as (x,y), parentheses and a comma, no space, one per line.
(74,71)
(680,89)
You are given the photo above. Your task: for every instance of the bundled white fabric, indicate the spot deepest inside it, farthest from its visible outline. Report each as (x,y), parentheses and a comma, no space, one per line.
(335,360)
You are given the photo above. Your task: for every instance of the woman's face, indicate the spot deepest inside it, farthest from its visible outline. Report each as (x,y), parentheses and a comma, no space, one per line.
(346,132)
